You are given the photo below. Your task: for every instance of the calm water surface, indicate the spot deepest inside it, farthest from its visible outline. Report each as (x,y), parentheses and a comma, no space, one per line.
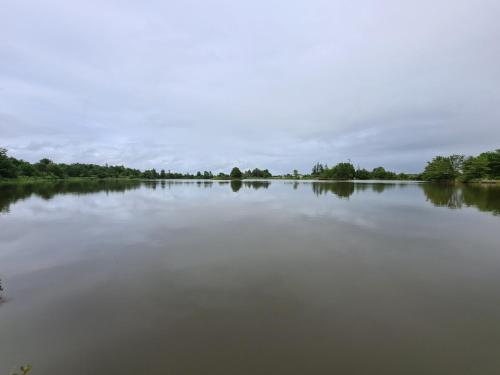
(250,278)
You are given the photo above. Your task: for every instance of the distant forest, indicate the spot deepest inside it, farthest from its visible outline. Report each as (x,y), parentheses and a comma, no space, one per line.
(485,166)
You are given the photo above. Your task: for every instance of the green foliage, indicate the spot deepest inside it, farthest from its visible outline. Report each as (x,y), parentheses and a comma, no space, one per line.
(380,173)
(494,163)
(257,173)
(444,168)
(346,171)
(317,170)
(342,171)
(483,166)
(7,167)
(47,169)
(362,174)
(236,173)
(475,167)
(441,168)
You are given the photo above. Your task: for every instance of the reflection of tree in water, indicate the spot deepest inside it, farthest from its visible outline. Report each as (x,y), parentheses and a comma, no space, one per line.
(257,184)
(341,189)
(204,184)
(484,197)
(379,188)
(346,189)
(236,185)
(11,193)
(443,195)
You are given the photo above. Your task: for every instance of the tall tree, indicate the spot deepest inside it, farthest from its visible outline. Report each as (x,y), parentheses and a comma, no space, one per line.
(443,168)
(7,167)
(236,173)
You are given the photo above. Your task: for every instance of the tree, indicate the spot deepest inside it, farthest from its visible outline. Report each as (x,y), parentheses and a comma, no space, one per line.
(56,170)
(7,168)
(475,167)
(317,169)
(236,173)
(362,174)
(23,168)
(266,174)
(443,168)
(295,173)
(379,173)
(494,163)
(457,162)
(403,176)
(43,166)
(342,171)
(493,159)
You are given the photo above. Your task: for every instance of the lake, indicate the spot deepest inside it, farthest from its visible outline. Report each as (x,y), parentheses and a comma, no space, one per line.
(252,277)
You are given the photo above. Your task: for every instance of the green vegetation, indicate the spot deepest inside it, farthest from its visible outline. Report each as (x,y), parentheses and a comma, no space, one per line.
(342,171)
(21,170)
(485,166)
(443,168)
(257,173)
(236,173)
(346,171)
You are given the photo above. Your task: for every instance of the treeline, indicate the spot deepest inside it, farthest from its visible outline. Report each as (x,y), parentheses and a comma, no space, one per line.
(11,167)
(346,171)
(485,166)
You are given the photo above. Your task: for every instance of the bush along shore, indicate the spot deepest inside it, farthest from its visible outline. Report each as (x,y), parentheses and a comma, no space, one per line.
(484,168)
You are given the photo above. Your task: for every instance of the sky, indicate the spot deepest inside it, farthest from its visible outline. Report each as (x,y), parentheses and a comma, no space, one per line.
(206,85)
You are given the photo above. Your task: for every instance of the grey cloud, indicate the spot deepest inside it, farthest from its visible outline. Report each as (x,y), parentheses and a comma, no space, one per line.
(208,84)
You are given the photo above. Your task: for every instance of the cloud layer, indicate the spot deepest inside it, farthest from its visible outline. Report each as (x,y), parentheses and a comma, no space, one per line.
(190,85)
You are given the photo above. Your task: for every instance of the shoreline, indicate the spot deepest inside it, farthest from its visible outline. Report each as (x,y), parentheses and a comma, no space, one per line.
(6,181)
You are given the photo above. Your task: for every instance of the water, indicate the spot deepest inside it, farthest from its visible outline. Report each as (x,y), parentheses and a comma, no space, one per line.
(235,278)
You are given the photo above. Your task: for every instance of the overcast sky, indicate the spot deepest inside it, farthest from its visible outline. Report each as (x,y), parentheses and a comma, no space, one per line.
(188,85)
